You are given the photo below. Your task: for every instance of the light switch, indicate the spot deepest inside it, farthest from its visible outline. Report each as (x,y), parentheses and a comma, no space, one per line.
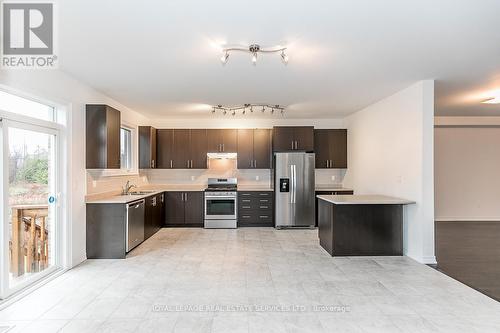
(192,178)
(94,183)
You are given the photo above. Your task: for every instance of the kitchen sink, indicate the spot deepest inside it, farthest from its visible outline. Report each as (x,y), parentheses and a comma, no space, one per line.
(140,192)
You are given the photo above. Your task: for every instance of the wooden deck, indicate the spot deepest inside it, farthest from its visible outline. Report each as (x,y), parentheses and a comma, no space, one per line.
(29,246)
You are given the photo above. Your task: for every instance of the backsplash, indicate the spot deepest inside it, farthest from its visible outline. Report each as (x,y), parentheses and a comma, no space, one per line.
(98,183)
(218,168)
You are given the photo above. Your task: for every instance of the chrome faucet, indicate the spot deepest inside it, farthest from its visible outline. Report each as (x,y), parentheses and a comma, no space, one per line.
(127,187)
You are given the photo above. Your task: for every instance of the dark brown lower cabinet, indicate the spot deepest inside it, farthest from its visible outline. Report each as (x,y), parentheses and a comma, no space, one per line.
(256,209)
(361,230)
(154,214)
(329,193)
(107,222)
(184,209)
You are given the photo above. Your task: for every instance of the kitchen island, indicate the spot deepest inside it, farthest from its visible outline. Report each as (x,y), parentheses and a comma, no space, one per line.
(361,225)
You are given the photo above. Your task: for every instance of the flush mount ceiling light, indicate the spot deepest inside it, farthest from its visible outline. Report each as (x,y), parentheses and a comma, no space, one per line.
(492,100)
(248,108)
(254,50)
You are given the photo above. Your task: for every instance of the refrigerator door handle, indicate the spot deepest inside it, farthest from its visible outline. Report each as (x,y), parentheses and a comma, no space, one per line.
(293,181)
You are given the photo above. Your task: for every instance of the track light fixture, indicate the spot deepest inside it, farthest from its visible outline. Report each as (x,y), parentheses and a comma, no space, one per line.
(254,50)
(243,108)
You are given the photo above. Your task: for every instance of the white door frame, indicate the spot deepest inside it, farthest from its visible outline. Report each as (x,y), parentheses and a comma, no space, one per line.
(9,120)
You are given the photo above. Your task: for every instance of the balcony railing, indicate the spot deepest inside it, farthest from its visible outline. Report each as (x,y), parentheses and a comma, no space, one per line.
(29,245)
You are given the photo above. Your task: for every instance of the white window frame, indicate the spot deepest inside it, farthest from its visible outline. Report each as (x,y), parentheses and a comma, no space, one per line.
(134,171)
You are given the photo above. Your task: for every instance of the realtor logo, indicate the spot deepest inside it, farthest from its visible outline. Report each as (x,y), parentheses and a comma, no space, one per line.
(28,35)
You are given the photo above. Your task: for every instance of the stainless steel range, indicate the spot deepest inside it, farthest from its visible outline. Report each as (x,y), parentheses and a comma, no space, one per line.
(221,203)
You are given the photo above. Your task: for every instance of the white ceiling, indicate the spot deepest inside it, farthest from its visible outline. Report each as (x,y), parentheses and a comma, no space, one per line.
(158,57)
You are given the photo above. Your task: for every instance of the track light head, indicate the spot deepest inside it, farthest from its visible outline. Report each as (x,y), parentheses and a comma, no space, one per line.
(224,57)
(254,58)
(284,57)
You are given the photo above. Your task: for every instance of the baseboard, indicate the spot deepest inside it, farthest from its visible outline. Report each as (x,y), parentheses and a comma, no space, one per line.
(472,219)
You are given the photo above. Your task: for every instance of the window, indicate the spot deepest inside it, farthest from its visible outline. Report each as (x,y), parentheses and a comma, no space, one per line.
(125,148)
(25,107)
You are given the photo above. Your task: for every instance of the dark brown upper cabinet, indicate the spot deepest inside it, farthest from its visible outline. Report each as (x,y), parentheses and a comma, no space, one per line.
(293,138)
(222,140)
(182,148)
(164,148)
(147,147)
(330,148)
(254,149)
(102,137)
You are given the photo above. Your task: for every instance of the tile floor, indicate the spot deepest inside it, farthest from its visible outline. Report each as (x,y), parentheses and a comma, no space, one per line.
(167,283)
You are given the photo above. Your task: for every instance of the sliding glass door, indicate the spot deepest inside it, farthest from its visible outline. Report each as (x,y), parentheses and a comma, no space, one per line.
(30,215)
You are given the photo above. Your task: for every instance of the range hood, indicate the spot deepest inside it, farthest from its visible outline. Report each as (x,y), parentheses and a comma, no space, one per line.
(221,156)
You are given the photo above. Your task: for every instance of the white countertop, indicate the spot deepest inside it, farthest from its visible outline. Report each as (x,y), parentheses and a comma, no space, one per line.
(122,199)
(332,188)
(254,188)
(370,199)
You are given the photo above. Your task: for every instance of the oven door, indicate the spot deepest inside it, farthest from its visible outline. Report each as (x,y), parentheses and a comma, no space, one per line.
(220,208)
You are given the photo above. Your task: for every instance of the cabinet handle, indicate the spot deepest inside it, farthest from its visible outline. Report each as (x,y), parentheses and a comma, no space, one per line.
(245,194)
(255,164)
(331,164)
(245,200)
(171,164)
(251,163)
(264,194)
(296,145)
(187,164)
(191,163)
(246,216)
(264,200)
(223,148)
(264,216)
(264,207)
(245,207)
(293,145)
(186,196)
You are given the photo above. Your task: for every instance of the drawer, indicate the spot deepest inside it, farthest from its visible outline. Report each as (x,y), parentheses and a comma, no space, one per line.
(255,218)
(255,194)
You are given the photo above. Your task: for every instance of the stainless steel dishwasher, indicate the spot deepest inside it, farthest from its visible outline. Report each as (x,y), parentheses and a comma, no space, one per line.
(135,224)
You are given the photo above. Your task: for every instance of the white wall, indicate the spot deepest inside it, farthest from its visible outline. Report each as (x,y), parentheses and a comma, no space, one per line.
(391,153)
(467,170)
(57,87)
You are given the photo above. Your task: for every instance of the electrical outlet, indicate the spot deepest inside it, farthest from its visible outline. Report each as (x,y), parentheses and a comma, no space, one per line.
(94,183)
(192,178)
(144,179)
(333,178)
(257,177)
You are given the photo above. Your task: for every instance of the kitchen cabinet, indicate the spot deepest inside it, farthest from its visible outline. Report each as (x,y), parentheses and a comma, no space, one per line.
(147,147)
(164,148)
(222,140)
(184,208)
(154,214)
(330,148)
(106,225)
(102,137)
(255,208)
(293,138)
(339,192)
(182,149)
(254,149)
(198,148)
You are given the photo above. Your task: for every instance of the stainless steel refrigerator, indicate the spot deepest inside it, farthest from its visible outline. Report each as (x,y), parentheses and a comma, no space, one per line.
(294,190)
